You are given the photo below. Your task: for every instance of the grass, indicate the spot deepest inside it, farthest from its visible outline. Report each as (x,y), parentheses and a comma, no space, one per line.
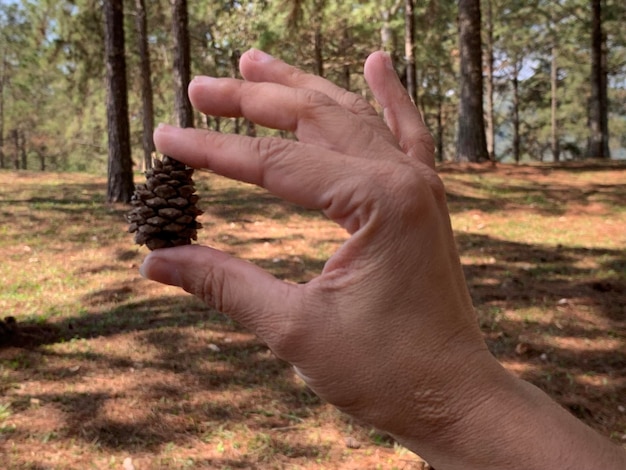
(108,366)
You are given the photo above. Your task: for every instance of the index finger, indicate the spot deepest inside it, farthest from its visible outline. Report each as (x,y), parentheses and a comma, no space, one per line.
(336,183)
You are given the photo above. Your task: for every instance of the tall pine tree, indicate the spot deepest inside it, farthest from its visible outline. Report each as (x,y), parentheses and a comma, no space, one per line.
(471,141)
(598,105)
(182,62)
(120,185)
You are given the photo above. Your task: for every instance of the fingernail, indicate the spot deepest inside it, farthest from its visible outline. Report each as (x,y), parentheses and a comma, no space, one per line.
(157,269)
(260,56)
(163,127)
(144,268)
(203,80)
(388,61)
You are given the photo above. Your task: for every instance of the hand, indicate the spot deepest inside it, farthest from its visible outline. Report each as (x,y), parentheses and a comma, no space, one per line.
(386,332)
(390,312)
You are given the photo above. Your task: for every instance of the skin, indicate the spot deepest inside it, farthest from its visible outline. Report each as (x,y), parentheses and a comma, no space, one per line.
(387,332)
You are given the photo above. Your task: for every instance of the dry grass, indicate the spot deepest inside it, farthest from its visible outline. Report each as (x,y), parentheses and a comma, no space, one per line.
(108,366)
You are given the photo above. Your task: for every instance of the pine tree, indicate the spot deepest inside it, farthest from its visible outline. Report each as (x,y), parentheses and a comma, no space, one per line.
(471,141)
(120,174)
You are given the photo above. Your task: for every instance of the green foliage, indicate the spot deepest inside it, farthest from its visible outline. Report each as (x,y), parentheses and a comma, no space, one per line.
(52,66)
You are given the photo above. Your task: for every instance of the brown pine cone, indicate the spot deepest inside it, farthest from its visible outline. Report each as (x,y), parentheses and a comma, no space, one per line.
(164,208)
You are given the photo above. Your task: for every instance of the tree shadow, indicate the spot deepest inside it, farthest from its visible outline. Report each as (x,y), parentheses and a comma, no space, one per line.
(549,198)
(196,351)
(515,276)
(540,198)
(556,352)
(73,213)
(237,204)
(519,275)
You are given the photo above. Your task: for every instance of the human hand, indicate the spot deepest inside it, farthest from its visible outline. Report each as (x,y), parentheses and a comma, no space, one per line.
(387,331)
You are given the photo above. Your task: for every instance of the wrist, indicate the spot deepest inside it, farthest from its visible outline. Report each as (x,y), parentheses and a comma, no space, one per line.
(508,423)
(445,418)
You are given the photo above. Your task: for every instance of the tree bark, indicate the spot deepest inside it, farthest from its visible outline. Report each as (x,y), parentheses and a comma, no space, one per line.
(319,51)
(440,129)
(344,52)
(141,24)
(598,106)
(2,65)
(490,115)
(120,185)
(471,141)
(388,40)
(16,143)
(234,73)
(22,142)
(182,62)
(318,19)
(554,105)
(409,49)
(516,120)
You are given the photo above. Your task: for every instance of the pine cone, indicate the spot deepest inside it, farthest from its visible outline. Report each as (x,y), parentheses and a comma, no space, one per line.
(164,208)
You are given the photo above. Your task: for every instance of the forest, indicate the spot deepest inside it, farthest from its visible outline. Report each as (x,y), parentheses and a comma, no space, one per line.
(552,73)
(101,368)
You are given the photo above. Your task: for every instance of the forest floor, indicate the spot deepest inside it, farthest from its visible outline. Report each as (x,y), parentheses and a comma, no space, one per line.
(106,366)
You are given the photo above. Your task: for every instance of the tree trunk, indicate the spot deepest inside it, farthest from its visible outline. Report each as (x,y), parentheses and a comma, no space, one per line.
(388,40)
(319,51)
(554,105)
(42,160)
(146,83)
(387,36)
(16,142)
(318,19)
(234,73)
(409,49)
(598,106)
(22,142)
(250,128)
(344,52)
(516,120)
(440,129)
(182,62)
(490,119)
(471,141)
(2,79)
(120,185)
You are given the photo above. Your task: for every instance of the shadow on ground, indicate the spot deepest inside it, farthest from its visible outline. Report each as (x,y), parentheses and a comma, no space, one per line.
(199,350)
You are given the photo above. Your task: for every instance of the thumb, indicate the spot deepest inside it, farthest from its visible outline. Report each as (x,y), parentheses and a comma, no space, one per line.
(245,292)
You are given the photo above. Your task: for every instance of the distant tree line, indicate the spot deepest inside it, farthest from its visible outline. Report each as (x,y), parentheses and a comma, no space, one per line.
(495,79)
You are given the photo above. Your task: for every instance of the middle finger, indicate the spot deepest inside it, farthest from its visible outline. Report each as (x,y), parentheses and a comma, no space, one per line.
(257,66)
(311,115)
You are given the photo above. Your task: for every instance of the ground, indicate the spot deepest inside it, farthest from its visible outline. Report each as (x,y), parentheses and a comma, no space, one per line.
(103,366)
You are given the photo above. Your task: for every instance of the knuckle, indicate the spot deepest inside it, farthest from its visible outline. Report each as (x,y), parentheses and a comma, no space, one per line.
(211,289)
(311,101)
(271,152)
(296,77)
(420,140)
(422,183)
(357,104)
(427,141)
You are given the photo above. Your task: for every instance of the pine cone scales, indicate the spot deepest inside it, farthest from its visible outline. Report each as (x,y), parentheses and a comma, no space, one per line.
(164,208)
